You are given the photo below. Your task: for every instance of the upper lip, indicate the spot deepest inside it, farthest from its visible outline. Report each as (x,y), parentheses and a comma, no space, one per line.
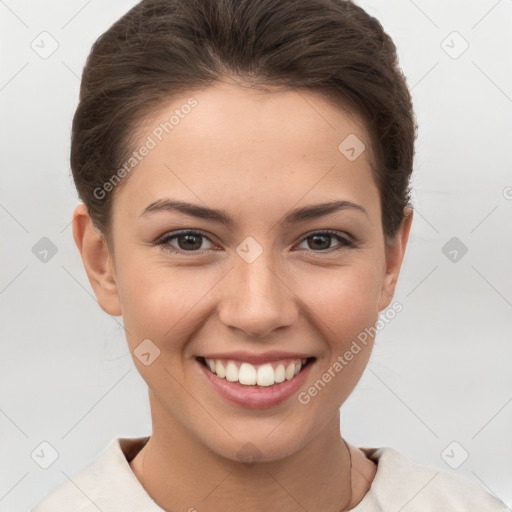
(241,355)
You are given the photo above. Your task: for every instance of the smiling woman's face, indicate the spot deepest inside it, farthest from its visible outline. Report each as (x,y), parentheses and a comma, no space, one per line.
(268,280)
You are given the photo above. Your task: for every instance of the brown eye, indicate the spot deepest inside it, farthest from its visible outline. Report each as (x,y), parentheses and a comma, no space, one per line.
(189,242)
(185,241)
(321,241)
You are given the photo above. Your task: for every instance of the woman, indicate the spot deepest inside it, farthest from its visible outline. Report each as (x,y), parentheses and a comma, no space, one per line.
(244,168)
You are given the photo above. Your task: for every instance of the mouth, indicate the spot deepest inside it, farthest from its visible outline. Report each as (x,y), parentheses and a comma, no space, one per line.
(267,375)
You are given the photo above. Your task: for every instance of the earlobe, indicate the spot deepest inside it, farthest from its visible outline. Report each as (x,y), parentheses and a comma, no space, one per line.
(394,258)
(97,261)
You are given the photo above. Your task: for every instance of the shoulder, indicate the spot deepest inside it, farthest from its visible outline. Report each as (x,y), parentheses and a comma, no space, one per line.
(106,483)
(401,483)
(78,492)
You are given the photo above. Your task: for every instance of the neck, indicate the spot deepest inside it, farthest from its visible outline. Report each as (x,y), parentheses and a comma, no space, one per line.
(181,473)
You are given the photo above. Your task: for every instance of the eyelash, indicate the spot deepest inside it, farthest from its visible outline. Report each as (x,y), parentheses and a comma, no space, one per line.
(164,241)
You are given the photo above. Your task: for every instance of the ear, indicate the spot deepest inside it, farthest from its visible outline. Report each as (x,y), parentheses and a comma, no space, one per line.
(97,261)
(394,256)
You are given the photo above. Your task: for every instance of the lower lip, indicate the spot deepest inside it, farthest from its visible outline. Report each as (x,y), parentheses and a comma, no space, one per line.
(256,397)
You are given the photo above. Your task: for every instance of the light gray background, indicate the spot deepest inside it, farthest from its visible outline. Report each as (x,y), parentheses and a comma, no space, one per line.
(440,371)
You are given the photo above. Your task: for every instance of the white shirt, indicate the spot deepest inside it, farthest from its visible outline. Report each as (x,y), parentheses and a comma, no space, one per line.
(108,484)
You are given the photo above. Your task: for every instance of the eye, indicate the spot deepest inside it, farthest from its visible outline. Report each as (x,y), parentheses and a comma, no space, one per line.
(185,241)
(321,240)
(190,241)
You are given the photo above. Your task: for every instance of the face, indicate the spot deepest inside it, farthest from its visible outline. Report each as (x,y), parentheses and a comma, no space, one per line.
(261,282)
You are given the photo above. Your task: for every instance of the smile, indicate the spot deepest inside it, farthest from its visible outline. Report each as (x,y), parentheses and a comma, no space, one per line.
(247,374)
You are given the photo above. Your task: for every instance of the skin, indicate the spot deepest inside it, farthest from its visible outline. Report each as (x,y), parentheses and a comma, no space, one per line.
(256,155)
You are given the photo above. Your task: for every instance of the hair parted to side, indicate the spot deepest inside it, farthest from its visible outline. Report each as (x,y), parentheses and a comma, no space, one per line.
(161,48)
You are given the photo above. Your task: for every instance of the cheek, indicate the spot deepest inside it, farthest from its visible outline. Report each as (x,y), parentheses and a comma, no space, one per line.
(344,299)
(165,306)
(344,304)
(157,300)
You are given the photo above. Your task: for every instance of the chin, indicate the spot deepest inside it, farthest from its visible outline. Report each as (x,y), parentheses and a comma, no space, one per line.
(258,442)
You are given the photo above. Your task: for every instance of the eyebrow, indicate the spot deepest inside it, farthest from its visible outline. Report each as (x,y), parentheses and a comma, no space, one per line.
(298,215)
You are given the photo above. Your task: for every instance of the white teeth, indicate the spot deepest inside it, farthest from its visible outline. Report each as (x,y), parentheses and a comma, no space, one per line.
(250,375)
(279,374)
(219,369)
(231,372)
(265,375)
(247,374)
(290,371)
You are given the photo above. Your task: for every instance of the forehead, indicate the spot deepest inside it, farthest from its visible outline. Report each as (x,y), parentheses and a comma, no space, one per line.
(229,142)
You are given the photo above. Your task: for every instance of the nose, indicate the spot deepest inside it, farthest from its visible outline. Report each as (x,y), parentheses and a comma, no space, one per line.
(257,299)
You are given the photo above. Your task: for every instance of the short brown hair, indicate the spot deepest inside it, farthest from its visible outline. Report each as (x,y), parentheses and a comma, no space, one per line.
(161,48)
